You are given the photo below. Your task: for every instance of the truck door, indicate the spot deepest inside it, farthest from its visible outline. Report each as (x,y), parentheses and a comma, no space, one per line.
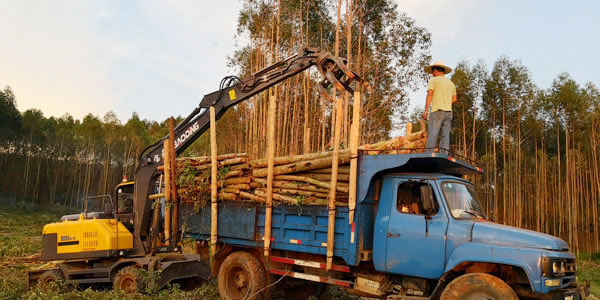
(415,238)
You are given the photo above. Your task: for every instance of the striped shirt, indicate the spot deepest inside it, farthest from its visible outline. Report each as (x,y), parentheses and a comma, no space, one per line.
(443,90)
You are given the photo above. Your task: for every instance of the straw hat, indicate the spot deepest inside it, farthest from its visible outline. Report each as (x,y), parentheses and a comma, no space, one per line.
(439,63)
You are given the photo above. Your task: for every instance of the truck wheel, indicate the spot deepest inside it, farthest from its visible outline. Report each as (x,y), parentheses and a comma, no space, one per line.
(241,276)
(50,277)
(478,286)
(129,280)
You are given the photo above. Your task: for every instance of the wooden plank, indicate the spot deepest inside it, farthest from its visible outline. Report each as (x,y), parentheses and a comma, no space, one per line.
(354,142)
(270,169)
(332,188)
(167,171)
(213,183)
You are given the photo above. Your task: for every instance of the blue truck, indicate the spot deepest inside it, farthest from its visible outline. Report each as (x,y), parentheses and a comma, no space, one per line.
(419,232)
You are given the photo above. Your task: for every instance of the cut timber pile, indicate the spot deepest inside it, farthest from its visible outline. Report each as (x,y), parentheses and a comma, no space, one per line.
(401,144)
(298,179)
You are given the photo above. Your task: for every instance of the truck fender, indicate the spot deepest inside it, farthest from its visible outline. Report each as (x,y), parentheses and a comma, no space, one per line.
(526,259)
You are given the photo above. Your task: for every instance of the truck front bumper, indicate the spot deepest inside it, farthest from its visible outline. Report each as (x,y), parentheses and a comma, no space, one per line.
(579,292)
(573,292)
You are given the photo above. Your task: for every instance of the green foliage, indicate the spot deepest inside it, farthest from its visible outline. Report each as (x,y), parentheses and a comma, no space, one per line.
(10,118)
(187,175)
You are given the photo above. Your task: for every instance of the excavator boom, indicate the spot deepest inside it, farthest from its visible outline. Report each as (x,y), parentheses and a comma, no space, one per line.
(231,92)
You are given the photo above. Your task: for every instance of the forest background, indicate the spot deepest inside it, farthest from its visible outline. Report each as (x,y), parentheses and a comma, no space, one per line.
(539,147)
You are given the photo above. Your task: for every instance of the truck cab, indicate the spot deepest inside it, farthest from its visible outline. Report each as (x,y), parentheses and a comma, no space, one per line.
(431,225)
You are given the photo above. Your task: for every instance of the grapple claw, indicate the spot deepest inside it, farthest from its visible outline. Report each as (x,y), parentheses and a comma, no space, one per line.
(336,73)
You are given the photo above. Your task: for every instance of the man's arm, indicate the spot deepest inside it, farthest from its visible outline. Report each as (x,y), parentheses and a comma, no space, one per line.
(454,99)
(427,103)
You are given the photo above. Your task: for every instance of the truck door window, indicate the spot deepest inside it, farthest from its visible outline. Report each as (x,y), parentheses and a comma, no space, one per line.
(409,198)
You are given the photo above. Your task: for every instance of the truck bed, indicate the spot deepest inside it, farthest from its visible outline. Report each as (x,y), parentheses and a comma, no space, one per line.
(294,228)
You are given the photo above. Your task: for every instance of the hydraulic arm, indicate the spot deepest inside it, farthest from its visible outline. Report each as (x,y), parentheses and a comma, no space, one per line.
(231,92)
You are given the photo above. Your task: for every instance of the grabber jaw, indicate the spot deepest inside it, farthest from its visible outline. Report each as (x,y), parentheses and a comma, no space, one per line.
(336,73)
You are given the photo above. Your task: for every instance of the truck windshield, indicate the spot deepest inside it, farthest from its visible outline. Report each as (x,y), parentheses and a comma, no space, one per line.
(462,200)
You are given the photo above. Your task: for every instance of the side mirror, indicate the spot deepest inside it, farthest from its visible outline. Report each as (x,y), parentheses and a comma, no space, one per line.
(427,198)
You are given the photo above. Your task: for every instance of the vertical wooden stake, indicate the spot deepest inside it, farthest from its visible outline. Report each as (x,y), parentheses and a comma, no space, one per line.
(332,188)
(270,166)
(213,182)
(306,148)
(354,141)
(174,201)
(167,171)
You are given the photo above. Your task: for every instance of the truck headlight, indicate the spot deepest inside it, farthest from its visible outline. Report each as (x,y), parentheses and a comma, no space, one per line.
(554,267)
(558,267)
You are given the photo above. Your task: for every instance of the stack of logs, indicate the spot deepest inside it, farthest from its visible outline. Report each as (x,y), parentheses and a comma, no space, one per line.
(298,180)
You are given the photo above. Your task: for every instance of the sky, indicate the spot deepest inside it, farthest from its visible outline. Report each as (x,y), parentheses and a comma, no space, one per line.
(158,58)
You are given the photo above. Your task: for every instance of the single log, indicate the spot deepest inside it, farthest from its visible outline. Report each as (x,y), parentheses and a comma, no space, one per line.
(302,166)
(289,185)
(270,165)
(234,173)
(279,197)
(354,141)
(174,199)
(333,185)
(156,196)
(237,180)
(326,177)
(227,196)
(167,173)
(341,170)
(213,183)
(311,181)
(223,163)
(240,167)
(246,195)
(206,159)
(241,186)
(230,190)
(282,160)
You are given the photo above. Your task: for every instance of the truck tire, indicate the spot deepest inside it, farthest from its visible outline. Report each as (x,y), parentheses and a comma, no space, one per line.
(50,277)
(478,286)
(241,276)
(129,280)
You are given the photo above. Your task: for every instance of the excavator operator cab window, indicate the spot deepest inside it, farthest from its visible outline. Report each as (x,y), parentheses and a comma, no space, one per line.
(125,199)
(409,199)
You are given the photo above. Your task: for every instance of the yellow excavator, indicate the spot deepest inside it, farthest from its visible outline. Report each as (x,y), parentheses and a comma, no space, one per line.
(112,246)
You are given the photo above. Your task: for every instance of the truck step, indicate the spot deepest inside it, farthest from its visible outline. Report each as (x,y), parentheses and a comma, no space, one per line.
(311,277)
(308,263)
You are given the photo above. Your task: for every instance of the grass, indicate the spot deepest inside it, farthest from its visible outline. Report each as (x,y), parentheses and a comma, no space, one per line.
(20,236)
(588,268)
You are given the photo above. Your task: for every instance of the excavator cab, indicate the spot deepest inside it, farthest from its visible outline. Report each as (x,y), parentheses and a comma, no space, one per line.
(124,195)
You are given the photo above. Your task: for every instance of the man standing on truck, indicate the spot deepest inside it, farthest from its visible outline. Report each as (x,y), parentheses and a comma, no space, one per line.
(441,94)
